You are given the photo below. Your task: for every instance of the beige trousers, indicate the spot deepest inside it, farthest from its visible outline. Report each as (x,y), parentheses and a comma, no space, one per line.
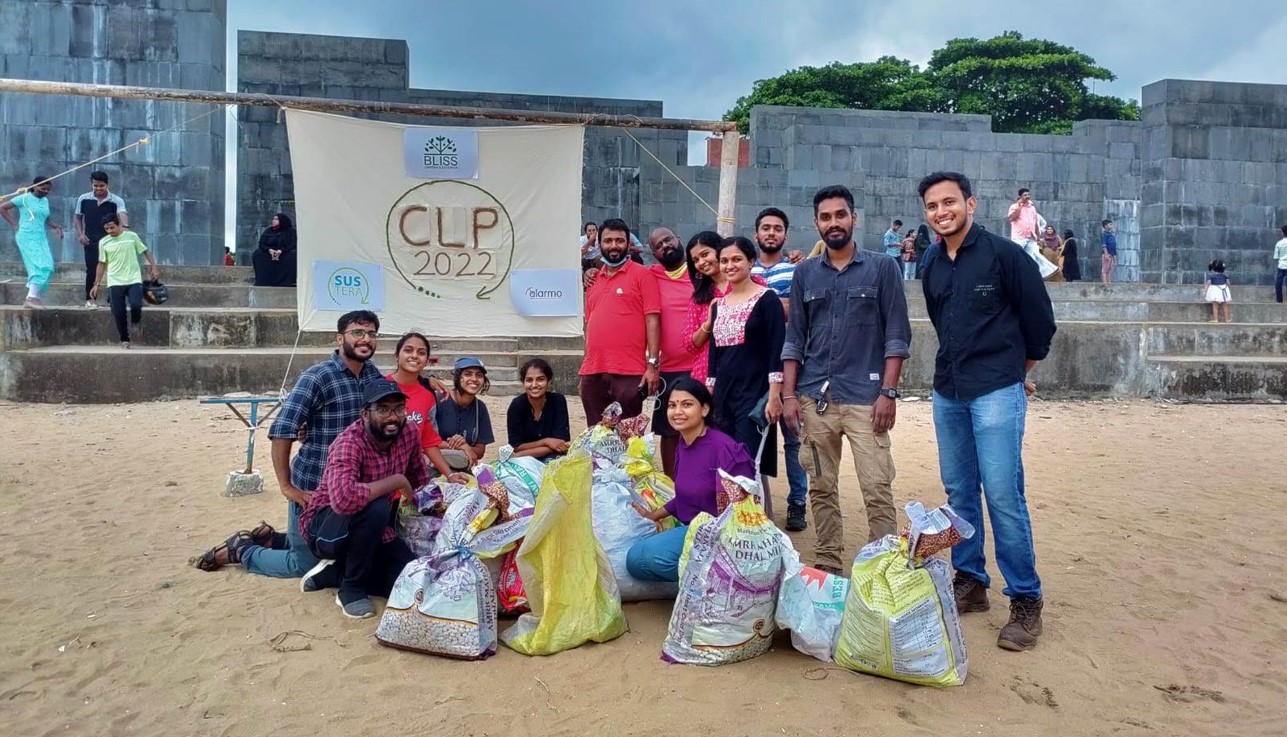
(820,449)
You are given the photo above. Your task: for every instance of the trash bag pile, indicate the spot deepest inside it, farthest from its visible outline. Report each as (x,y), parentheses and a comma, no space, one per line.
(444,603)
(900,619)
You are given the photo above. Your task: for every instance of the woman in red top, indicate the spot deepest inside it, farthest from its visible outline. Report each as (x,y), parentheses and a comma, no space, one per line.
(412,354)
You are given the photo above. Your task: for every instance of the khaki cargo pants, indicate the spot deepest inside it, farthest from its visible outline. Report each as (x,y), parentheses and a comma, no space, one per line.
(820,449)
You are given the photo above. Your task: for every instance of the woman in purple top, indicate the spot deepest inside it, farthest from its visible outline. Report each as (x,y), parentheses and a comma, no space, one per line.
(704,450)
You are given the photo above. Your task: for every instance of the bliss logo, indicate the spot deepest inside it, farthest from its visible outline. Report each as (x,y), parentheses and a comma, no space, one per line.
(440,153)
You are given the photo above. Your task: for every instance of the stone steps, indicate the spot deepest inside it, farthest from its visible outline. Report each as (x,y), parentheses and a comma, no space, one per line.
(1106,310)
(231,296)
(74,273)
(1218,378)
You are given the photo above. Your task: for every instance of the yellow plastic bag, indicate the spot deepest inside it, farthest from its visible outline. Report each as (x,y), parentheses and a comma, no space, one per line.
(650,482)
(567,576)
(901,621)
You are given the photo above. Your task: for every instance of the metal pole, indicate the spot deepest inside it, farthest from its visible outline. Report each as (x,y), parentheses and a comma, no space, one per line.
(725,221)
(327,105)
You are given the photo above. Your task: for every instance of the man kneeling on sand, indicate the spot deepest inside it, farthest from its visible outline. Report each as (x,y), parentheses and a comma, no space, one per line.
(348,519)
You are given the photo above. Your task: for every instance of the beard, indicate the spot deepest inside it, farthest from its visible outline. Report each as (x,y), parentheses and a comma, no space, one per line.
(614,261)
(837,240)
(350,351)
(766,248)
(379,431)
(670,259)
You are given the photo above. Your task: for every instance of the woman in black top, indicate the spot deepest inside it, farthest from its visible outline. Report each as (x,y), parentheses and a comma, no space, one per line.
(274,259)
(1072,267)
(538,418)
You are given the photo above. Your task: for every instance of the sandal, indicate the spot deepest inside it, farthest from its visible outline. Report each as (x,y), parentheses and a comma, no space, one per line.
(263,535)
(207,560)
(237,544)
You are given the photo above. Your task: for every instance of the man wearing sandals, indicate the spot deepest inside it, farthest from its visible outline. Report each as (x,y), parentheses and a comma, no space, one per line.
(348,520)
(325,400)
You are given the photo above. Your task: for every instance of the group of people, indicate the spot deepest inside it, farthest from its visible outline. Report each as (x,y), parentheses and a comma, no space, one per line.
(739,340)
(111,249)
(1056,254)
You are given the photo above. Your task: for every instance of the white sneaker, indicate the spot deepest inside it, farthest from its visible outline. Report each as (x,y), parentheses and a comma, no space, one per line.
(91,305)
(307,583)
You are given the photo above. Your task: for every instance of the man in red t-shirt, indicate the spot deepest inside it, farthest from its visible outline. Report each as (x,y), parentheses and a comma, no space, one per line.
(675,288)
(622,330)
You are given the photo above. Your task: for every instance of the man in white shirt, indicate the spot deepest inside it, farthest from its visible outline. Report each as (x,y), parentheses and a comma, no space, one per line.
(1280,257)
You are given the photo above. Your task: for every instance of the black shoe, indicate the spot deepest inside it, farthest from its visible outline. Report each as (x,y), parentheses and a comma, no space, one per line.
(796,521)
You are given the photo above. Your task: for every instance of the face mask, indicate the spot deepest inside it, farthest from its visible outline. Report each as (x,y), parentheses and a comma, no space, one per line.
(615,264)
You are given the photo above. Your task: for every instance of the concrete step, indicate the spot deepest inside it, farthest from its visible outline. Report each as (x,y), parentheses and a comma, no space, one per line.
(181,295)
(108,374)
(1218,378)
(1107,310)
(1207,340)
(1140,292)
(74,273)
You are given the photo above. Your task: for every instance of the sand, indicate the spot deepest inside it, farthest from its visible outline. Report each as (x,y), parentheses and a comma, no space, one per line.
(1160,540)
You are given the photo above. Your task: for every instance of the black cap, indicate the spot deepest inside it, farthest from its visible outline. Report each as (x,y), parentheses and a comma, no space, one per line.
(380,389)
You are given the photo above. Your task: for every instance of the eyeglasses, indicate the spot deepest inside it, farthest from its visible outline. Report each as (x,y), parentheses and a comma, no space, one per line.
(361,333)
(398,411)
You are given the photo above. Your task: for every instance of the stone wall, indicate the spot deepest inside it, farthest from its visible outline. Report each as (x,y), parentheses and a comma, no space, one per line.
(376,69)
(174,186)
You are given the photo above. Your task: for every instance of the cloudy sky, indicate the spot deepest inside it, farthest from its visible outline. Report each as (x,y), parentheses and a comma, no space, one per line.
(699,57)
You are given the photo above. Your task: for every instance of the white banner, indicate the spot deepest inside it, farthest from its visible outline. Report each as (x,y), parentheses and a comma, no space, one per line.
(445,248)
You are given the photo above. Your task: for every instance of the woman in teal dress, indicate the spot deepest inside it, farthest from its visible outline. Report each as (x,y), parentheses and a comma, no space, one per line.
(29,214)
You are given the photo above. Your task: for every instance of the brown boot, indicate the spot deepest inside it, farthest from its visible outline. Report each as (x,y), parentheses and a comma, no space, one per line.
(1021,632)
(971,594)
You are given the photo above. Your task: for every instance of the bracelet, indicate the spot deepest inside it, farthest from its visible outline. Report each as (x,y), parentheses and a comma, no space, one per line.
(792,396)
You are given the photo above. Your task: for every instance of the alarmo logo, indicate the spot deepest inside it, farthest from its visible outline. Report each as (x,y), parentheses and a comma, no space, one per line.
(440,153)
(535,293)
(347,283)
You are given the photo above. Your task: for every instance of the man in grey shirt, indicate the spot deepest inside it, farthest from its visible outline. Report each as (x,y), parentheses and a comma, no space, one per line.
(846,341)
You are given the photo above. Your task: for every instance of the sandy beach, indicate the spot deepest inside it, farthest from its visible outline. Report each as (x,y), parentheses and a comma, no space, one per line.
(1160,538)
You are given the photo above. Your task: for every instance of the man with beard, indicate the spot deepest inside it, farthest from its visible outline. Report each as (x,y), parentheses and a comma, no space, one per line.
(846,340)
(622,330)
(777,270)
(348,519)
(326,398)
(994,322)
(675,291)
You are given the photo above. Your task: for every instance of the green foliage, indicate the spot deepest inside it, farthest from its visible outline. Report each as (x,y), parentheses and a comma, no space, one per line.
(1026,85)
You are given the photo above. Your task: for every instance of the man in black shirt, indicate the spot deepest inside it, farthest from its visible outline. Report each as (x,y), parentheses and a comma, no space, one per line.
(994,322)
(91,209)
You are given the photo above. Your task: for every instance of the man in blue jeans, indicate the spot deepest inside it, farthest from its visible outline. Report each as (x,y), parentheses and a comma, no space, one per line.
(777,268)
(994,322)
(325,400)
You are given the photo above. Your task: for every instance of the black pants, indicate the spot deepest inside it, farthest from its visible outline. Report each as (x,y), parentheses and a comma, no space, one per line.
(1279,280)
(365,564)
(117,297)
(91,266)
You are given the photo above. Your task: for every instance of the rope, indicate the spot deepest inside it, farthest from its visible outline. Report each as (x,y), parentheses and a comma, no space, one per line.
(282,391)
(676,176)
(141,142)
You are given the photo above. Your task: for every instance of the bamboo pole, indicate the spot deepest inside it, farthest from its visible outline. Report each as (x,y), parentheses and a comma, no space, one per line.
(327,105)
(730,143)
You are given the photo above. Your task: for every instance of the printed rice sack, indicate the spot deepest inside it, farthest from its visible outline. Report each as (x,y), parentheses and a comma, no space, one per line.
(521,476)
(445,603)
(811,605)
(900,619)
(729,579)
(566,575)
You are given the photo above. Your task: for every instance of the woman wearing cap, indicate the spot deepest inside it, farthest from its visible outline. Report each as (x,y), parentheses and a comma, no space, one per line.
(463,421)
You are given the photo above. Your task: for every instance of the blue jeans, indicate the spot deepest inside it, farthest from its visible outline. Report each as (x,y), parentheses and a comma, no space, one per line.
(796,477)
(293,562)
(980,441)
(657,558)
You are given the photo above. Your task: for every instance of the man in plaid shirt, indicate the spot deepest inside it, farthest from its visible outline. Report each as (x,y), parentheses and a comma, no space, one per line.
(348,519)
(326,398)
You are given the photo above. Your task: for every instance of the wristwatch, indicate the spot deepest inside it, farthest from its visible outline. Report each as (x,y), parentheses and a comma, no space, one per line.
(655,362)
(891,393)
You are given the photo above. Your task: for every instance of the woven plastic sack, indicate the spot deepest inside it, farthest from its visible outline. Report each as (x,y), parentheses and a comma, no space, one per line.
(811,605)
(565,572)
(445,603)
(521,476)
(900,619)
(729,579)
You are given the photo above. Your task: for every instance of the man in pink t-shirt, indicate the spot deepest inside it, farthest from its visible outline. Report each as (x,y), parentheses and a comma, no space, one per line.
(622,330)
(675,289)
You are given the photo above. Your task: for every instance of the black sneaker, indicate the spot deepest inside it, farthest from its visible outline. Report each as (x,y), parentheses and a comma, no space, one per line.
(796,521)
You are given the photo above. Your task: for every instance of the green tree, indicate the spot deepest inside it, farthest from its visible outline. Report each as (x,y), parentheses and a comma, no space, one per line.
(1026,85)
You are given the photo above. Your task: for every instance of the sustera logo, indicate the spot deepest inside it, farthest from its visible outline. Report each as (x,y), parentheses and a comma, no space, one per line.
(535,293)
(440,153)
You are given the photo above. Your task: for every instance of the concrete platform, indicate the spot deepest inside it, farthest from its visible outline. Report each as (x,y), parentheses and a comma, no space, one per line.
(1218,378)
(1108,310)
(74,273)
(232,296)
